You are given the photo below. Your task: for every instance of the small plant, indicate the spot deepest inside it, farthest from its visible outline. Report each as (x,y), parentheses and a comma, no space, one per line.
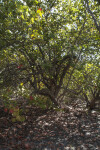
(40,101)
(15,112)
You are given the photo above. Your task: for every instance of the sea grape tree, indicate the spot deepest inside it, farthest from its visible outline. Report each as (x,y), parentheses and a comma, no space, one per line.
(42,42)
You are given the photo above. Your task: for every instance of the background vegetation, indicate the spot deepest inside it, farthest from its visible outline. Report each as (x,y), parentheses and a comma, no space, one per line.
(49,52)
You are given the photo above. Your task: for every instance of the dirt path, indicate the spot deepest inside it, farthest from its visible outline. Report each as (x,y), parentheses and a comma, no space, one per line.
(52,130)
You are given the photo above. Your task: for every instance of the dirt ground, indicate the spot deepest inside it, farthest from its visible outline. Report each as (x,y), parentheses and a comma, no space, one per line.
(72,129)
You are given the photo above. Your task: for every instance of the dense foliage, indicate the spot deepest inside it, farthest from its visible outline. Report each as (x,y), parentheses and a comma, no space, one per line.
(49,48)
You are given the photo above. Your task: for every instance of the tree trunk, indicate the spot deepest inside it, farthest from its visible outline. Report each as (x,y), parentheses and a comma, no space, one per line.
(92,104)
(54,101)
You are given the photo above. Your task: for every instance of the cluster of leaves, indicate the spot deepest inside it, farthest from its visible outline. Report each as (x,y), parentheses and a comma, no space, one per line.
(85,83)
(47,47)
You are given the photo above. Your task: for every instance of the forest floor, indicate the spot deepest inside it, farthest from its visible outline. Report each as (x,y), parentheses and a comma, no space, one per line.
(52,130)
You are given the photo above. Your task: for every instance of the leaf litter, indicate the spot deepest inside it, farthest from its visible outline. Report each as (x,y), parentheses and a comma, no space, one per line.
(51,130)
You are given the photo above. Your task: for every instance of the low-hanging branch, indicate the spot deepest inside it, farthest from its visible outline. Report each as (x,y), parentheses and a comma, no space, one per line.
(90,12)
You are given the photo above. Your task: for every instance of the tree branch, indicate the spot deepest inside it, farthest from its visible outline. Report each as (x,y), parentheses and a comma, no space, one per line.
(95,21)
